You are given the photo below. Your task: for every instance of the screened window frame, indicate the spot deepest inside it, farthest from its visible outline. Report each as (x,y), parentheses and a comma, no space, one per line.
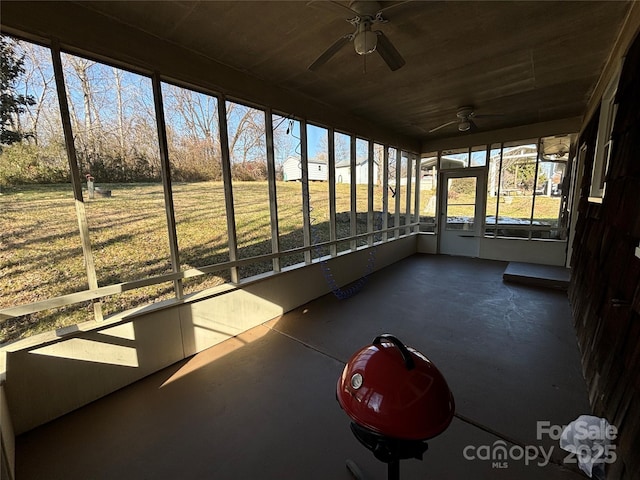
(94,293)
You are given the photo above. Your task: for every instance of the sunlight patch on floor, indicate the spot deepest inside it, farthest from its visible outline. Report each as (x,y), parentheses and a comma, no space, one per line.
(218,351)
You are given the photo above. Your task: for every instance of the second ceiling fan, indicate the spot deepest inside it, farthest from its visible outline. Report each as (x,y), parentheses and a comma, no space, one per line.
(365,40)
(465,120)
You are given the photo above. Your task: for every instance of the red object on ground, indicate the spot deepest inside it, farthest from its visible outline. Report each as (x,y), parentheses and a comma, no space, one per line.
(395,391)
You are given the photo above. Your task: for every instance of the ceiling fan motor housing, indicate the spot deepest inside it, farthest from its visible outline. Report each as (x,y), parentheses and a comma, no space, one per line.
(464,113)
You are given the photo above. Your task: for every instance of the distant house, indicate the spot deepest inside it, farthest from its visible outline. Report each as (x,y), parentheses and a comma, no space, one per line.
(343,171)
(292,169)
(318,170)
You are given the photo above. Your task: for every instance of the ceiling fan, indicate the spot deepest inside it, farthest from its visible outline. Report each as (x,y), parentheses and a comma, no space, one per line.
(465,122)
(365,40)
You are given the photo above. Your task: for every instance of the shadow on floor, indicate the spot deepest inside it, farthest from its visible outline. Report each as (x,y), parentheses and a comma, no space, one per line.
(263,405)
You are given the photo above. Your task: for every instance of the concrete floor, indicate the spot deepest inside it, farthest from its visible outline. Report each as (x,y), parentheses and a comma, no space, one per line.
(262,405)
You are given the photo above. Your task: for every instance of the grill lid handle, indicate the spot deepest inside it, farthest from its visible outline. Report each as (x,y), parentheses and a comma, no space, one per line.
(404,351)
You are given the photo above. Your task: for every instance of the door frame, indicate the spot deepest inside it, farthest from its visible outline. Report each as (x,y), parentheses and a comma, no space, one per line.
(470,246)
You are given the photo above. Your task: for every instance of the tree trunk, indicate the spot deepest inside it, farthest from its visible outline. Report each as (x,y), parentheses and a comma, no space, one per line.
(118,79)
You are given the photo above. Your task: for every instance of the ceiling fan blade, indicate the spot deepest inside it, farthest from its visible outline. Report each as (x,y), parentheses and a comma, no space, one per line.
(330,52)
(494,115)
(388,52)
(392,6)
(443,125)
(334,6)
(473,126)
(340,7)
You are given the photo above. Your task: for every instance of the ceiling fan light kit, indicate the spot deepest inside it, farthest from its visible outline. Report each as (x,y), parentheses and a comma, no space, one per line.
(464,125)
(365,40)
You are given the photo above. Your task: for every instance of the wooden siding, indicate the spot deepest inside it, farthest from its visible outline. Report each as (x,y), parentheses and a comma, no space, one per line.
(605,283)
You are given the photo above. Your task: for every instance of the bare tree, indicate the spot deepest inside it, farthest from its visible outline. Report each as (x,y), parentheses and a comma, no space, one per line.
(247,139)
(193,133)
(342,147)
(117,77)
(38,82)
(79,91)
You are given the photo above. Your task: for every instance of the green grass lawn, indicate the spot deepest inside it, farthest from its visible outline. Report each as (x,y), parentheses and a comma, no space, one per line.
(41,254)
(519,207)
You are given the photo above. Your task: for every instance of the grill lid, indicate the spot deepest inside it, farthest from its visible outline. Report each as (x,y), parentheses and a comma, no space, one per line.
(395,391)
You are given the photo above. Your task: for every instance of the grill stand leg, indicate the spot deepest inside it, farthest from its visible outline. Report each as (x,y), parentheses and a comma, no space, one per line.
(393,470)
(354,470)
(387,450)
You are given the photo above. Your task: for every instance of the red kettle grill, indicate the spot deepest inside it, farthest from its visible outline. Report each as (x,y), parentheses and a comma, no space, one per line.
(396,399)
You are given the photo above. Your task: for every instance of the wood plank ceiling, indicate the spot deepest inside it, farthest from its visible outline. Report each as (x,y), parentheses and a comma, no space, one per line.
(528,61)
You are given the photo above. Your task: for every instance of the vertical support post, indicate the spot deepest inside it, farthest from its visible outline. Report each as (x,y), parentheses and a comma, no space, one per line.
(396,223)
(353,179)
(408,216)
(72,158)
(333,248)
(488,187)
(393,470)
(533,188)
(228,189)
(165,168)
(418,175)
(273,199)
(370,162)
(440,217)
(306,200)
(495,233)
(385,193)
